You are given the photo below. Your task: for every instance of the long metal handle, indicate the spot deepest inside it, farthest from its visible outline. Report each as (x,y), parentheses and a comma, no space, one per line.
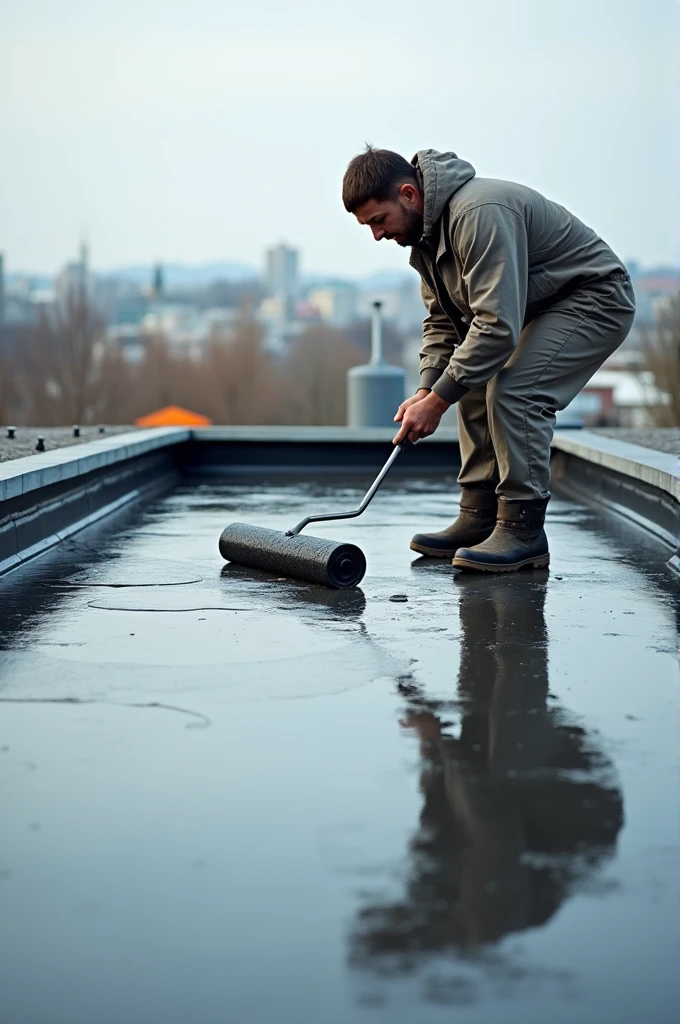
(367,498)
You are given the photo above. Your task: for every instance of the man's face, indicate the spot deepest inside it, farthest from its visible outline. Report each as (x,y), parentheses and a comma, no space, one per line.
(400,219)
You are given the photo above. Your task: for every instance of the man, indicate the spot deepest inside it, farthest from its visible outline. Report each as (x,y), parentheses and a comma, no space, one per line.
(524,303)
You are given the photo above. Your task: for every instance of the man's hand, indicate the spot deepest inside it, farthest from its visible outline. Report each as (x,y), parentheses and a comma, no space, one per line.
(419,417)
(420,394)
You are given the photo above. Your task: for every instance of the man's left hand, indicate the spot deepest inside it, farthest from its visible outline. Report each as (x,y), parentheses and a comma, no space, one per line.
(422,418)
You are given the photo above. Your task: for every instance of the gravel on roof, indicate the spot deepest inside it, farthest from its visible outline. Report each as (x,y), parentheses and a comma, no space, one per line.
(26,438)
(661,439)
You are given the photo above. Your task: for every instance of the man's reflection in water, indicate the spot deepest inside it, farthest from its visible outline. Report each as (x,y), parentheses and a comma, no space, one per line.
(517,809)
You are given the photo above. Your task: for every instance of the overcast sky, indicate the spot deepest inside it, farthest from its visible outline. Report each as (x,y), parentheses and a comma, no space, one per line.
(208,130)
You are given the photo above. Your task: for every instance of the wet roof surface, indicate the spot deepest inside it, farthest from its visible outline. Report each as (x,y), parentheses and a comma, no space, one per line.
(228,797)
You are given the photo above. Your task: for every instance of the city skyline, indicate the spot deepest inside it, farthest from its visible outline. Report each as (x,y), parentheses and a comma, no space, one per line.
(208,271)
(185,132)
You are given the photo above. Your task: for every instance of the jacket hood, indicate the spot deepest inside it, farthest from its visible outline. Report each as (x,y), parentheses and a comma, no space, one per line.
(442,175)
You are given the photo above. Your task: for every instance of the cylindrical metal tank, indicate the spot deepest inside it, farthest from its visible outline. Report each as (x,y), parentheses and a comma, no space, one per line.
(375,390)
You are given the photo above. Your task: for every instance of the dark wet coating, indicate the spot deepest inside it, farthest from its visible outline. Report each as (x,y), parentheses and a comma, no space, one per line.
(303,556)
(232,797)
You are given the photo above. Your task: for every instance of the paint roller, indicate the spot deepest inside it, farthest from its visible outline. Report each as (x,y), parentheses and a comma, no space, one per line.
(328,562)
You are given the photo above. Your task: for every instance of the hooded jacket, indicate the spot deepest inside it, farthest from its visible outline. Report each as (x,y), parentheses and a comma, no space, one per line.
(493,255)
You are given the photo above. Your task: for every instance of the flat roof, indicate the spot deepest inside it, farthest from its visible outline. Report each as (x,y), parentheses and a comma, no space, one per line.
(233,797)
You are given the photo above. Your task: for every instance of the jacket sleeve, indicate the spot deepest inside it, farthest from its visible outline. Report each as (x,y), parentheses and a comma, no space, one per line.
(439,339)
(491,242)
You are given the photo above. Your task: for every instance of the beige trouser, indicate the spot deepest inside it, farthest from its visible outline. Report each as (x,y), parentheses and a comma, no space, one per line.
(506,427)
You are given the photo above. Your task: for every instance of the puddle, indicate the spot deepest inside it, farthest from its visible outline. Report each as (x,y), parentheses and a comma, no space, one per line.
(163,602)
(172,674)
(230,638)
(146,573)
(201,721)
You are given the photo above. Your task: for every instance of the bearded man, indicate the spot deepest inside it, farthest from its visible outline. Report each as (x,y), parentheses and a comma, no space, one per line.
(524,302)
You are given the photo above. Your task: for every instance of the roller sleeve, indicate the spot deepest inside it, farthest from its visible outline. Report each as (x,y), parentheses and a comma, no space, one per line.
(327,562)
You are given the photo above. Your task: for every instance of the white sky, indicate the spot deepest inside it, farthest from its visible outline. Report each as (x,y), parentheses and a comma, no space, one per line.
(208,130)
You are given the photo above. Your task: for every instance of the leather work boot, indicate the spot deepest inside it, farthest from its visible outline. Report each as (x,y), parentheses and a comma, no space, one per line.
(518,541)
(474,524)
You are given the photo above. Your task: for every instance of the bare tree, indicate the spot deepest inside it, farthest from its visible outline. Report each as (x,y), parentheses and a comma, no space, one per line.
(158,378)
(112,393)
(661,351)
(7,389)
(242,385)
(316,376)
(68,373)
(233,380)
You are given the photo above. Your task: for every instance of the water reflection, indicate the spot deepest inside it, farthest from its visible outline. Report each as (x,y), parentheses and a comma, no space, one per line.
(288,593)
(518,804)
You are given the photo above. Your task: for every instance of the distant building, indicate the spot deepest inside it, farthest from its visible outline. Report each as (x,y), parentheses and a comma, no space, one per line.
(158,284)
(618,397)
(336,303)
(282,270)
(130,340)
(18,311)
(22,298)
(121,302)
(410,307)
(306,313)
(73,280)
(278,331)
(652,287)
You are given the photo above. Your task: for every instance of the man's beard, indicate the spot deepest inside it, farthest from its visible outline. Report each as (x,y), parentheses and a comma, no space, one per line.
(413,228)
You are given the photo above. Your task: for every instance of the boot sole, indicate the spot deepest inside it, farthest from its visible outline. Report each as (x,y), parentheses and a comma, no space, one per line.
(541,562)
(433,552)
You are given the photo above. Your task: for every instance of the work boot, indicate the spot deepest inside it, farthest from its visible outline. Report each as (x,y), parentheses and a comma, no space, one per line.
(474,524)
(518,540)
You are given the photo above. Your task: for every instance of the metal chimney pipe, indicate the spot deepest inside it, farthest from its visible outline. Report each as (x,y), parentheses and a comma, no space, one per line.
(376,335)
(376,389)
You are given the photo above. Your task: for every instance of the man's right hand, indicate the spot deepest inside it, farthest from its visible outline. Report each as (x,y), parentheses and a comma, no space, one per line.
(420,394)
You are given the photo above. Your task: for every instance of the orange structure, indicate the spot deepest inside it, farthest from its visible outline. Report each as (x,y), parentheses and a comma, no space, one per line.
(173,416)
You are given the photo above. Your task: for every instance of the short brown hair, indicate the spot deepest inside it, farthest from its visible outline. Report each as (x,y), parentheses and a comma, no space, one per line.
(376,174)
